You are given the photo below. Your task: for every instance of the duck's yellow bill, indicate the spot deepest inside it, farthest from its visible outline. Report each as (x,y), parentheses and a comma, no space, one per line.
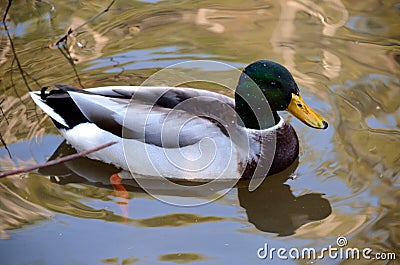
(306,114)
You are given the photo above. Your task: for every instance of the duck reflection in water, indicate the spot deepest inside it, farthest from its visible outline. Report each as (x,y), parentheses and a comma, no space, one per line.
(272,207)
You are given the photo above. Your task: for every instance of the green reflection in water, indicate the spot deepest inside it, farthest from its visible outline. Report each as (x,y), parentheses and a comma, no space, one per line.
(126,261)
(177,219)
(181,258)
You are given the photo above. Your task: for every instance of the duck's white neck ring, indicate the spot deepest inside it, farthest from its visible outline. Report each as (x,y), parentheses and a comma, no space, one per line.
(270,129)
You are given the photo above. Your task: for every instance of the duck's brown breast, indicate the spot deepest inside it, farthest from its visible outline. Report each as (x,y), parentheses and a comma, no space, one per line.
(286,152)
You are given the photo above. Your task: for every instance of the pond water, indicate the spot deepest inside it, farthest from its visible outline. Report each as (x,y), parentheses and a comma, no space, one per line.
(345,56)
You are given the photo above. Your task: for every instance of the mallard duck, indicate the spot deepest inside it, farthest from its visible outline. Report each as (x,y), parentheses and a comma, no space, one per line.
(186,133)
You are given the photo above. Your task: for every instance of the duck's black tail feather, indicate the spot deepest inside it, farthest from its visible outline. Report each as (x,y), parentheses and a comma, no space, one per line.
(62,91)
(58,104)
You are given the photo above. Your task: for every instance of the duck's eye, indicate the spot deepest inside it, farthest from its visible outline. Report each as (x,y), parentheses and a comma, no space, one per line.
(274,84)
(300,105)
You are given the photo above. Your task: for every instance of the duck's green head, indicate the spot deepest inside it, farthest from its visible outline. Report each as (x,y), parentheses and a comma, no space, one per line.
(279,88)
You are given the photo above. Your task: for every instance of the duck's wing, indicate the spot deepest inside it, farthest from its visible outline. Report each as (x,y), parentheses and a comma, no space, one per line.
(168,97)
(167,117)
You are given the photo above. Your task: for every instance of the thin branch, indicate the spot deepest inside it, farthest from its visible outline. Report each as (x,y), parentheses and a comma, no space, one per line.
(69,58)
(56,161)
(5,145)
(70,31)
(5,14)
(62,42)
(21,71)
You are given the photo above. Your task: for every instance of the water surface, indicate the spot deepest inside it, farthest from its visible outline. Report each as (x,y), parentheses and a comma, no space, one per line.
(344,55)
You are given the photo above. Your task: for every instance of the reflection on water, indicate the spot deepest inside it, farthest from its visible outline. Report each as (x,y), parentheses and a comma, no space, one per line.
(274,208)
(271,208)
(344,55)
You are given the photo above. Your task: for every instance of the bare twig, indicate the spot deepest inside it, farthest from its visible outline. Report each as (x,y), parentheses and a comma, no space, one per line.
(5,145)
(21,71)
(5,13)
(70,31)
(1,136)
(69,58)
(56,161)
(61,44)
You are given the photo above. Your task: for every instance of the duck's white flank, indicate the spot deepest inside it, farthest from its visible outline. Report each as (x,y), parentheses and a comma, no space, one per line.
(206,159)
